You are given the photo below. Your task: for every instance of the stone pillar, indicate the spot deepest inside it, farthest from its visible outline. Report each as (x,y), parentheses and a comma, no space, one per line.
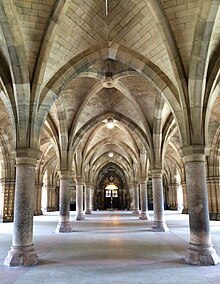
(22,252)
(159,224)
(173,205)
(217,183)
(37,199)
(131,194)
(54,198)
(91,201)
(87,199)
(64,225)
(7,200)
(79,200)
(49,197)
(213,197)
(185,198)
(144,215)
(136,199)
(200,250)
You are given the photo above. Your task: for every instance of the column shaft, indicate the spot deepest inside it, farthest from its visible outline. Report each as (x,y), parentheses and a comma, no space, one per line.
(79,201)
(91,204)
(185,198)
(64,225)
(144,215)
(136,199)
(22,251)
(37,203)
(87,199)
(200,250)
(159,224)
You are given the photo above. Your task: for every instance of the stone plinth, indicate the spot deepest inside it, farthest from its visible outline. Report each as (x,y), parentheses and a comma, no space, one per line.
(21,256)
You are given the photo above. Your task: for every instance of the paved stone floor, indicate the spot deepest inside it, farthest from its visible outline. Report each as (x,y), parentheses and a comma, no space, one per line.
(109,247)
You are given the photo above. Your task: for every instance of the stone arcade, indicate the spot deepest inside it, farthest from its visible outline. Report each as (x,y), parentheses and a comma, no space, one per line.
(151,68)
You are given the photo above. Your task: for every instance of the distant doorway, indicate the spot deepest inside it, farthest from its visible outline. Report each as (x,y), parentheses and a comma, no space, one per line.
(111,197)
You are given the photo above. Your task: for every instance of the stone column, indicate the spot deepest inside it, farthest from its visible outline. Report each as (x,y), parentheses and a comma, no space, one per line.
(200,250)
(79,200)
(144,215)
(53,198)
(185,198)
(91,201)
(22,252)
(217,183)
(131,195)
(64,225)
(173,196)
(136,199)
(159,224)
(87,199)
(49,197)
(37,199)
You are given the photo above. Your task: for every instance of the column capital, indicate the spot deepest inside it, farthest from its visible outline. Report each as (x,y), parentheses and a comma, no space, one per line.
(65,174)
(79,181)
(134,183)
(40,184)
(27,156)
(194,153)
(156,173)
(142,180)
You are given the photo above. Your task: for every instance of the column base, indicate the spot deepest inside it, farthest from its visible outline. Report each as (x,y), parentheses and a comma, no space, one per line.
(88,211)
(135,212)
(80,217)
(144,216)
(38,213)
(185,211)
(201,255)
(159,226)
(218,217)
(21,256)
(64,227)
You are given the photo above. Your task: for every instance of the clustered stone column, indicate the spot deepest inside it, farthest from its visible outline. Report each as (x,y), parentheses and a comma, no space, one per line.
(87,199)
(131,194)
(64,225)
(144,215)
(37,199)
(135,199)
(159,224)
(173,202)
(200,251)
(79,200)
(22,252)
(214,206)
(91,198)
(185,198)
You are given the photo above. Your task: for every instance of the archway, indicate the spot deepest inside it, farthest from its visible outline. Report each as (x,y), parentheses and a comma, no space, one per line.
(111,189)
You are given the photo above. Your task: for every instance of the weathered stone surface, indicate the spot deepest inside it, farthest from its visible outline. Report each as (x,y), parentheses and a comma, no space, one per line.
(21,256)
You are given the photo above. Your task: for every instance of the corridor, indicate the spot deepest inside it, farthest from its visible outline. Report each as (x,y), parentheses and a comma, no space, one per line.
(109,247)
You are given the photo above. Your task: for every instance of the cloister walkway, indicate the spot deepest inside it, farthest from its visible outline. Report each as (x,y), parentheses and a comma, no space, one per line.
(109,247)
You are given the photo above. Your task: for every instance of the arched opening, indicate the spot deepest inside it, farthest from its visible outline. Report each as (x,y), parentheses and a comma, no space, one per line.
(111,189)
